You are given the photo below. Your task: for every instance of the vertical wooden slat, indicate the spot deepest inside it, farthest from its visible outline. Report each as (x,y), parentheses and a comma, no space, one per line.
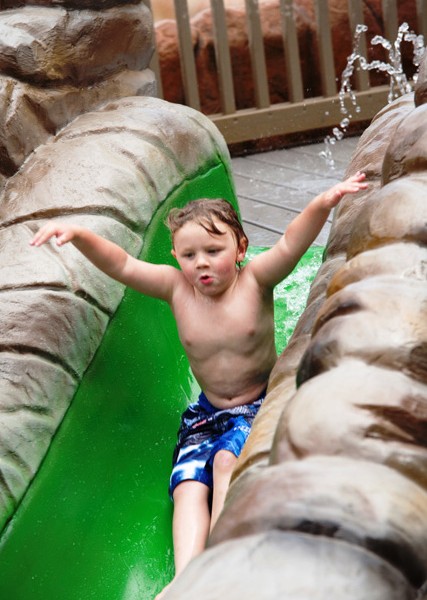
(257,52)
(391,21)
(154,62)
(155,67)
(292,55)
(188,64)
(355,13)
(327,67)
(301,114)
(422,17)
(222,51)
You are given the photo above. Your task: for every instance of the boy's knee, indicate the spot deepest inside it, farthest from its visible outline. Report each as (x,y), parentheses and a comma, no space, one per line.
(224,461)
(190,488)
(179,491)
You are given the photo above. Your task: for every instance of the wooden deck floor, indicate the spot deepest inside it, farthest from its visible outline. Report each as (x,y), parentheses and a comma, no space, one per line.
(272,187)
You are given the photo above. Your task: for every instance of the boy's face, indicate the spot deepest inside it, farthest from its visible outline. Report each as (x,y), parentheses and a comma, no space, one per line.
(207,260)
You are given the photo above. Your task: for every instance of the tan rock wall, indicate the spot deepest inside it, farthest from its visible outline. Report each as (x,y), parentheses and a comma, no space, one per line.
(57,62)
(44,45)
(79,138)
(109,169)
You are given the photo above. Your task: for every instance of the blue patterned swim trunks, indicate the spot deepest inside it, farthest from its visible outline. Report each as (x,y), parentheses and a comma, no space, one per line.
(205,430)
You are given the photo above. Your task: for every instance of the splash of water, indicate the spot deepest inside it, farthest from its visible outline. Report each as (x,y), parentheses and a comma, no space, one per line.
(399,83)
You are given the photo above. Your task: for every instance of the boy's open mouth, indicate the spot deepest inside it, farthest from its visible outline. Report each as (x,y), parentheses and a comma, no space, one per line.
(205,278)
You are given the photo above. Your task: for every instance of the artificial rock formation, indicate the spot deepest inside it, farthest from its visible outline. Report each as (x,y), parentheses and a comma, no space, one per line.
(63,58)
(329,498)
(330,492)
(58,59)
(67,152)
(305,20)
(54,305)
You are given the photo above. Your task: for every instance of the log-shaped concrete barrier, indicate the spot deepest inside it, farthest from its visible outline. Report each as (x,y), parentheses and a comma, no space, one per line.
(111,170)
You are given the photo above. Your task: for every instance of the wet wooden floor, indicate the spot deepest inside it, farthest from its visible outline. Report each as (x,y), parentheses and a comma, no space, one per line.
(272,187)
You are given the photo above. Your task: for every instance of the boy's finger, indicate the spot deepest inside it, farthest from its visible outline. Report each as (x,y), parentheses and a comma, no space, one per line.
(41,237)
(62,239)
(36,239)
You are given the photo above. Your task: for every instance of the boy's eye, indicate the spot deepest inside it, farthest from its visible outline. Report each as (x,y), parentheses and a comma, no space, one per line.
(188,254)
(213,250)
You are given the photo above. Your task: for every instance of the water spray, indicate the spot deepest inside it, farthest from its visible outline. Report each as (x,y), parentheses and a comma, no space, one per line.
(399,83)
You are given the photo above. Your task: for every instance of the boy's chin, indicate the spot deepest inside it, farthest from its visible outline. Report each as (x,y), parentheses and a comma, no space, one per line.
(210,290)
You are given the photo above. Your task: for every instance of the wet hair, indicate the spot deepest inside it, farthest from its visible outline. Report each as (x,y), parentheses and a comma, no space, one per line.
(205,212)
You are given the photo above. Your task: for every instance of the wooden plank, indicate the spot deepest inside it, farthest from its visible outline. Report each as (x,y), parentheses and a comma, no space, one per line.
(295,176)
(155,67)
(222,52)
(257,52)
(391,20)
(188,63)
(292,54)
(287,118)
(355,14)
(422,18)
(326,58)
(154,62)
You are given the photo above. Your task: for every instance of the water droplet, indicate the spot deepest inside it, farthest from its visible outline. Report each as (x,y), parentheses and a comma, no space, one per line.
(399,83)
(361,29)
(337,133)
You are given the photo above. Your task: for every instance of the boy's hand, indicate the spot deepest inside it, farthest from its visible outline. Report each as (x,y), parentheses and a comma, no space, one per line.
(63,232)
(353,184)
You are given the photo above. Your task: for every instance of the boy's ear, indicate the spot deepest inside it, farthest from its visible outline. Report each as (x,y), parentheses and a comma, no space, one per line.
(241,250)
(173,253)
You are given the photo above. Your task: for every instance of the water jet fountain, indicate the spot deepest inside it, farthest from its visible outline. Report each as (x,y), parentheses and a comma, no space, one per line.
(399,84)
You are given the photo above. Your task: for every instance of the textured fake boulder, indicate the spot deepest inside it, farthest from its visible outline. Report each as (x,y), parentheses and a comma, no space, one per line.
(126,158)
(336,460)
(44,45)
(57,62)
(250,564)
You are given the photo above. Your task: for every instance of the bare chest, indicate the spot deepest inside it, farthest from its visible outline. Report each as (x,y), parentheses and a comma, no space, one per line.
(234,324)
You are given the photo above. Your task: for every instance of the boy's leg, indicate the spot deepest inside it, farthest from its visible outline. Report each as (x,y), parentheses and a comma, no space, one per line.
(190,525)
(223,465)
(191,519)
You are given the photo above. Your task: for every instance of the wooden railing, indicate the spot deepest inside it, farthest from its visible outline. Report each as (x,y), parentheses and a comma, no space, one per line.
(299,113)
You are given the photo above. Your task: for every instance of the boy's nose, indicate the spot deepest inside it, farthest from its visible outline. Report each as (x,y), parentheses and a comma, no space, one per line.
(201,260)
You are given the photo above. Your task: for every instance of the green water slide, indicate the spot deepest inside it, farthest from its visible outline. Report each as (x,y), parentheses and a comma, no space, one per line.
(96,520)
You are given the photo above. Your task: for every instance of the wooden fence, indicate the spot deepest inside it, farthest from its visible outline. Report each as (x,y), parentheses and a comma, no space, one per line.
(301,111)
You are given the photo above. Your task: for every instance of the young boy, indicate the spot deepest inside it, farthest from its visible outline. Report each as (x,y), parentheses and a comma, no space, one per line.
(225,320)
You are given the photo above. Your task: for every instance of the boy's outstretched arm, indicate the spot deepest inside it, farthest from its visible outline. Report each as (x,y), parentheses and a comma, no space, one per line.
(153,280)
(274,265)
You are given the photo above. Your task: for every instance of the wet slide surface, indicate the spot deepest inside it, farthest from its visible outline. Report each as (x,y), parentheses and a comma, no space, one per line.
(96,521)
